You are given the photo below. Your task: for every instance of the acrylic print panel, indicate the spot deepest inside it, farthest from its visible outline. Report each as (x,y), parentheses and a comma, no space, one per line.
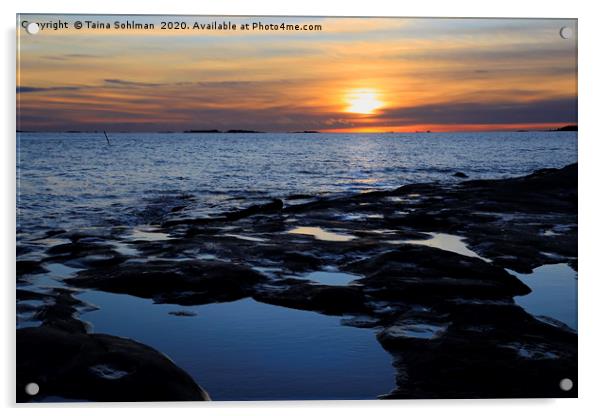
(292,208)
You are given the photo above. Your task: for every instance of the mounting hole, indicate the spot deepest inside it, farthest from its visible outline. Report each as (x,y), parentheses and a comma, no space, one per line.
(566,384)
(566,32)
(32,28)
(32,389)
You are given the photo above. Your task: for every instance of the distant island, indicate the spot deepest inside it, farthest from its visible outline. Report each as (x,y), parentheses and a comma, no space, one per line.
(571,127)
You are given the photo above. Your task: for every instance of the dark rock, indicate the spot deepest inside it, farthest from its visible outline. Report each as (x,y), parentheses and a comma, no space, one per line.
(182,313)
(414,271)
(99,233)
(291,258)
(192,221)
(75,249)
(460,175)
(30,267)
(106,258)
(22,250)
(180,282)
(295,197)
(98,367)
(22,294)
(58,310)
(85,252)
(194,231)
(299,294)
(479,351)
(272,207)
(53,233)
(423,220)
(269,208)
(544,190)
(161,205)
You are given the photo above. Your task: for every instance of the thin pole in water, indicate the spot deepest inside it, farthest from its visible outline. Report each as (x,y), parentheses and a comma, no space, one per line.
(107,137)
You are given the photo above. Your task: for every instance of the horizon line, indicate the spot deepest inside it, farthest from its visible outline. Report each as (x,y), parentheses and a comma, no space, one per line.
(564,128)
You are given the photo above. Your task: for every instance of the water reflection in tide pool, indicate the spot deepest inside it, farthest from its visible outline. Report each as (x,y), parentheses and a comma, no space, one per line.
(331,278)
(246,350)
(321,234)
(553,293)
(447,242)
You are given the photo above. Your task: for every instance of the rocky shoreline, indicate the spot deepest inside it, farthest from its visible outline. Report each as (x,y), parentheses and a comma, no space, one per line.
(448,319)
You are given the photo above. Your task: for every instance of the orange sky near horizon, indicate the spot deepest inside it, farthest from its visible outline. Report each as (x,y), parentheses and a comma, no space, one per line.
(354,75)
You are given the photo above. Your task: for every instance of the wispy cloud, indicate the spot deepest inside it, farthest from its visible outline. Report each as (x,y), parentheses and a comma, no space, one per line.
(126,83)
(26,89)
(541,111)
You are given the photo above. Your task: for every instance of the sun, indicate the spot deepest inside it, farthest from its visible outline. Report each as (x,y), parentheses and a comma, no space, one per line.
(363,101)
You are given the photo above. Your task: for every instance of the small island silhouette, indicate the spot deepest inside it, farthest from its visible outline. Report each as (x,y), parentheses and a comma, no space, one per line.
(570,127)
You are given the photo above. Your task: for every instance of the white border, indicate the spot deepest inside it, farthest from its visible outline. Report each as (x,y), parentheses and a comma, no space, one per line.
(590,137)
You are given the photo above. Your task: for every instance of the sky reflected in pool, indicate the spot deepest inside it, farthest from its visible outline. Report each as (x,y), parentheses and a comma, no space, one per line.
(331,278)
(246,350)
(447,242)
(321,234)
(554,293)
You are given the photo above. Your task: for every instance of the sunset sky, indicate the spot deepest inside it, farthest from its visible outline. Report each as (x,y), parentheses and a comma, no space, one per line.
(355,74)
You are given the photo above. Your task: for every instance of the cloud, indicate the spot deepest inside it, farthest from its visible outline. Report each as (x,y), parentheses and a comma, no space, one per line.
(82,55)
(540,111)
(127,83)
(25,89)
(258,105)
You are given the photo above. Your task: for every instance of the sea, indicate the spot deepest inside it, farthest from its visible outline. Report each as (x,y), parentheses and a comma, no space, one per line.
(70,180)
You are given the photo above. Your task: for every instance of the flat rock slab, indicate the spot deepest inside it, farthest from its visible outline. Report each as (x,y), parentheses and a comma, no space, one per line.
(479,350)
(414,272)
(297,294)
(180,282)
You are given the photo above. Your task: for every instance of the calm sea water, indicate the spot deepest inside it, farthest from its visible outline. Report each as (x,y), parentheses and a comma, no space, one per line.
(71,180)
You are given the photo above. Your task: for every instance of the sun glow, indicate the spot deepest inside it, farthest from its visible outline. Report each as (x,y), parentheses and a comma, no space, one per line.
(363,101)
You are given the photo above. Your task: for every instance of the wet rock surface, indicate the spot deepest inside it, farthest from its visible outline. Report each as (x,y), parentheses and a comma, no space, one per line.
(29,267)
(292,293)
(413,273)
(447,318)
(490,350)
(184,282)
(98,367)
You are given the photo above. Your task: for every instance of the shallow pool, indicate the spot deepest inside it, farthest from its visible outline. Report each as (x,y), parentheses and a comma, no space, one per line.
(331,277)
(447,242)
(554,293)
(246,350)
(322,234)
